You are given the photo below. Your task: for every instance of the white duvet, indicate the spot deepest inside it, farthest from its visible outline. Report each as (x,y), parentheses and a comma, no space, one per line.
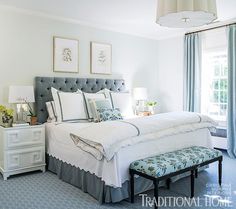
(116,171)
(105,139)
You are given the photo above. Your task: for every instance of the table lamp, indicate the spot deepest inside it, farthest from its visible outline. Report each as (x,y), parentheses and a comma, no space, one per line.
(21,96)
(140,95)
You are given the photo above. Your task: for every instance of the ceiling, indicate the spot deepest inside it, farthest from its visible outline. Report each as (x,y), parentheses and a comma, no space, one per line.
(135,17)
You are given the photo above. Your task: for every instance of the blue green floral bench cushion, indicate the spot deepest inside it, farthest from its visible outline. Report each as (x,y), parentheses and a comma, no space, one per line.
(171,162)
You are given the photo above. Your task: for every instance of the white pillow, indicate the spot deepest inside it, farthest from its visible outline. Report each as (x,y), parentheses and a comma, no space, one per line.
(101,95)
(69,106)
(106,92)
(124,102)
(51,111)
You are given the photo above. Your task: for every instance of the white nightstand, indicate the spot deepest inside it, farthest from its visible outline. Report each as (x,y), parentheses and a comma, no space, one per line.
(22,149)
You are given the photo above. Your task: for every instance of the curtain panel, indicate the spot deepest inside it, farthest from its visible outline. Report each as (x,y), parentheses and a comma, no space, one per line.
(231,128)
(192,72)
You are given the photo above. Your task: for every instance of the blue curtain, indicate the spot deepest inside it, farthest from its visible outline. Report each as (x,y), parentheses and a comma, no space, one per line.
(192,65)
(231,129)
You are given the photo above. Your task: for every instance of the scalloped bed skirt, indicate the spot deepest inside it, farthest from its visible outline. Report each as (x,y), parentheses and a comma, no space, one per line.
(93,185)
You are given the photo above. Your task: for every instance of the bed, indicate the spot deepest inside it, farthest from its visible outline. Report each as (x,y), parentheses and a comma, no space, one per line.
(106,181)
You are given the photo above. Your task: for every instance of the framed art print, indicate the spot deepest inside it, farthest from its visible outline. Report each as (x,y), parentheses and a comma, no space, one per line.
(65,55)
(100,58)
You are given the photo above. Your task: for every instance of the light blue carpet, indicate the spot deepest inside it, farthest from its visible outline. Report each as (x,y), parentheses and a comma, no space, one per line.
(46,191)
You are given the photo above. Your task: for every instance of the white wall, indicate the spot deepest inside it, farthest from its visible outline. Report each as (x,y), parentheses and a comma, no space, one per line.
(170,74)
(26,46)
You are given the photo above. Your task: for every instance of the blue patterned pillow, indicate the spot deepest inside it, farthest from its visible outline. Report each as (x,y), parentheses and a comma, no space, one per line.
(109,114)
(96,104)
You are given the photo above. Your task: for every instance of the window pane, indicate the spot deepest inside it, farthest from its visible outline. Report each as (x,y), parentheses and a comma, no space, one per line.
(223,96)
(223,109)
(215,97)
(223,84)
(215,86)
(217,69)
(225,70)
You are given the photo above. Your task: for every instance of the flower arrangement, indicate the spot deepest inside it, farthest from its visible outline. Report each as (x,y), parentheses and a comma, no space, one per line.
(7,115)
(151,105)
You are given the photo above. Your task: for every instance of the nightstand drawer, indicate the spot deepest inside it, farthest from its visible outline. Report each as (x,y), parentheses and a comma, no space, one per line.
(24,137)
(25,158)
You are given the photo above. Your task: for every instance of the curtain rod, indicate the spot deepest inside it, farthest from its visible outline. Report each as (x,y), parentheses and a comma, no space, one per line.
(212,28)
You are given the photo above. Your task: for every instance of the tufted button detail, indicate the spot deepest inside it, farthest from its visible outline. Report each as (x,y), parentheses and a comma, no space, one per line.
(71,89)
(54,81)
(41,95)
(106,82)
(48,88)
(60,89)
(82,89)
(41,110)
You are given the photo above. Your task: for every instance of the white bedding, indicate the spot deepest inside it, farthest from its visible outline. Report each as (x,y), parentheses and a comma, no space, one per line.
(105,139)
(116,171)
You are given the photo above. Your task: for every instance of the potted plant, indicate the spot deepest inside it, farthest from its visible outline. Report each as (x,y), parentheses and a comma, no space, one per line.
(33,116)
(7,116)
(151,106)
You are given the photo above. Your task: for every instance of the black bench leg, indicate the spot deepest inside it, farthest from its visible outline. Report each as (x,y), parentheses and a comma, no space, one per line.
(196,173)
(192,183)
(168,183)
(220,171)
(156,182)
(131,186)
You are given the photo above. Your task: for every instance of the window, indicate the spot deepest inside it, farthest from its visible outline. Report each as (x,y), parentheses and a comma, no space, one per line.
(214,80)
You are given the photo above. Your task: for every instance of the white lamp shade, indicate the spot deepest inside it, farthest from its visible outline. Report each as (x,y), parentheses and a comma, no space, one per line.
(21,94)
(140,93)
(186,13)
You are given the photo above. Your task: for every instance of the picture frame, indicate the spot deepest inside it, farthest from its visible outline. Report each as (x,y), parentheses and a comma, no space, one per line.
(100,58)
(65,55)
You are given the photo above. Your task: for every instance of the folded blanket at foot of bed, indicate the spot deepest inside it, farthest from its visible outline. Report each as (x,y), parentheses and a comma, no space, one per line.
(107,138)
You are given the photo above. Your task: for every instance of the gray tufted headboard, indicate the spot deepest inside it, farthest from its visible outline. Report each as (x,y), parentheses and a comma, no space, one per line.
(90,85)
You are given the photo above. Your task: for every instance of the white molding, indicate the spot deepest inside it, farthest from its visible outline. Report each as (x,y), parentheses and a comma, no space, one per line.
(72,21)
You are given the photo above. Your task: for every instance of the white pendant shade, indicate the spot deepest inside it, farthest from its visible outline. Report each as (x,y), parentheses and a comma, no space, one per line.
(186,13)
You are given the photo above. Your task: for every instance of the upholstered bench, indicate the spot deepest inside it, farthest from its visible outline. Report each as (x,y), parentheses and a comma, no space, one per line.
(165,166)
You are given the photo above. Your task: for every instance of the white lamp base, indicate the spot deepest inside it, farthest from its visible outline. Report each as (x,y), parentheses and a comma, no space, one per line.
(21,114)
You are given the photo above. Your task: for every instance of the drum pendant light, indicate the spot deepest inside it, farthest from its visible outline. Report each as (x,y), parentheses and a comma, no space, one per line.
(186,13)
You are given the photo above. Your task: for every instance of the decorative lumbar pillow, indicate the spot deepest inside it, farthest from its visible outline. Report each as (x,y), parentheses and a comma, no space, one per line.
(101,95)
(69,106)
(51,111)
(109,114)
(96,104)
(124,102)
